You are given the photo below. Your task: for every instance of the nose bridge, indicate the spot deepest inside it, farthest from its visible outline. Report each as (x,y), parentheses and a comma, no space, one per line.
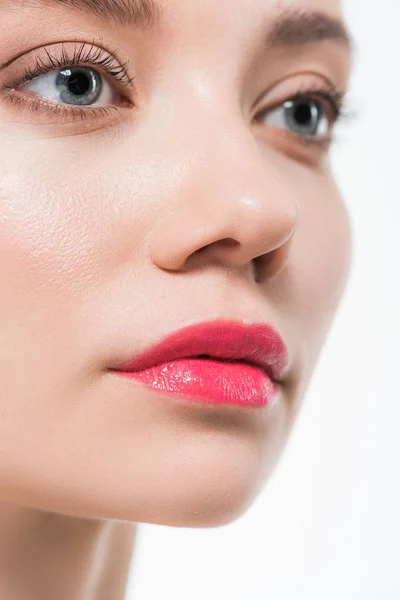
(225,162)
(199,108)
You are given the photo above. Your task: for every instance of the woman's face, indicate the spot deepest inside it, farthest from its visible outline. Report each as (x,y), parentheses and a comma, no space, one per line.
(116,229)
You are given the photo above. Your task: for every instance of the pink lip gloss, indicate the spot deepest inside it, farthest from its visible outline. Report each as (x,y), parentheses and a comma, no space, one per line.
(209,380)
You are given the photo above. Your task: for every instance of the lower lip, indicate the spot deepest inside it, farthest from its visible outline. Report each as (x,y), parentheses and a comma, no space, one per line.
(209,381)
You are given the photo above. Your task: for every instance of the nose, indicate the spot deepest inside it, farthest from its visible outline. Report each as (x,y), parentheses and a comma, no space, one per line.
(234,206)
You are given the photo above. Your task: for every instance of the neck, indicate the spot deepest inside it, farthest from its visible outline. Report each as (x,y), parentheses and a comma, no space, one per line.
(45,556)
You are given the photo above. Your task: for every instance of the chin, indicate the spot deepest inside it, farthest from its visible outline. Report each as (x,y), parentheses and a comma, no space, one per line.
(178,466)
(205,485)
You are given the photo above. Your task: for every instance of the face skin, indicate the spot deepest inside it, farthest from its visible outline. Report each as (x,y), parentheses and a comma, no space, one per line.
(113,234)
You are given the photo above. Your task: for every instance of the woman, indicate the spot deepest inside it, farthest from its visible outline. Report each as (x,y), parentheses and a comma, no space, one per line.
(174,249)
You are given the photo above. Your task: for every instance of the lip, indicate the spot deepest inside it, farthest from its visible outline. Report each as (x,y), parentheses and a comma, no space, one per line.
(176,364)
(258,344)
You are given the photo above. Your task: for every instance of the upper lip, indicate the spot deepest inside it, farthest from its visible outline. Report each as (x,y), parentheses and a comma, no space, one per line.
(257,343)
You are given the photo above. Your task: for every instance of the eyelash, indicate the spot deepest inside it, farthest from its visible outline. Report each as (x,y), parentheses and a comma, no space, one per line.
(96,56)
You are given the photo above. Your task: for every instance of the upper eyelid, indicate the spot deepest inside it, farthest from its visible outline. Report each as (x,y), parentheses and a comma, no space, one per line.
(334,99)
(88,54)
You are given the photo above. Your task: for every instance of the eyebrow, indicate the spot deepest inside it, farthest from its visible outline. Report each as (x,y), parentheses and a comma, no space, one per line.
(293,27)
(298,27)
(124,13)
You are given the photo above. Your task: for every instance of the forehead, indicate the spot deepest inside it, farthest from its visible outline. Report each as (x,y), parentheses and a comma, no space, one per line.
(232,19)
(243,20)
(289,22)
(144,14)
(329,5)
(252,8)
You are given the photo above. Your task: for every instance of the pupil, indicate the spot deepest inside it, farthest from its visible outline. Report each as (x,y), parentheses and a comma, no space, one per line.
(302,114)
(78,84)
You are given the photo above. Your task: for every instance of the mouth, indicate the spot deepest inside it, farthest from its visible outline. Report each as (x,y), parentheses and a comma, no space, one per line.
(218,361)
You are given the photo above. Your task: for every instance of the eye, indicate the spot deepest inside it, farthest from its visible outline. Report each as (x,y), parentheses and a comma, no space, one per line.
(305,117)
(76,86)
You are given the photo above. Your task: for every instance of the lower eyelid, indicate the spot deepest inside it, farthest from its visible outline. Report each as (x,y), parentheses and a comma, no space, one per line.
(36,104)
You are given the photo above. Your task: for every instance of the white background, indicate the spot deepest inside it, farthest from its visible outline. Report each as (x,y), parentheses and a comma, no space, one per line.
(326,526)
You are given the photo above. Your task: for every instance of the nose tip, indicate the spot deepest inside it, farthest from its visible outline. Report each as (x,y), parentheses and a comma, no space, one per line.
(235,233)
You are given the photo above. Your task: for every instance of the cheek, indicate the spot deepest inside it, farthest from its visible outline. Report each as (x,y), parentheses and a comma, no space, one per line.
(59,252)
(60,230)
(64,246)
(320,263)
(53,243)
(43,247)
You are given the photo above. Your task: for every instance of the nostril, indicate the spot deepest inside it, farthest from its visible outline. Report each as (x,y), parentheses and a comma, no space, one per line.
(226,242)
